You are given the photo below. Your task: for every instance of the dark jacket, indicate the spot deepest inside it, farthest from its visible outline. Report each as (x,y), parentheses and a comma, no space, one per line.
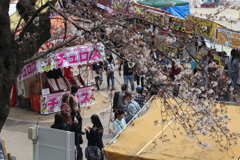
(158,55)
(115,100)
(126,70)
(94,137)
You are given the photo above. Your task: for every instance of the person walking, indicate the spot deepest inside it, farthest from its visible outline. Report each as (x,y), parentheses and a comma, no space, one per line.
(109,68)
(97,74)
(74,104)
(66,109)
(94,134)
(127,73)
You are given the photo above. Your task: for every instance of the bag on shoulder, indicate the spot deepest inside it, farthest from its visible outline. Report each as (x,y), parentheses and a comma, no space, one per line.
(93,153)
(110,67)
(129,117)
(98,70)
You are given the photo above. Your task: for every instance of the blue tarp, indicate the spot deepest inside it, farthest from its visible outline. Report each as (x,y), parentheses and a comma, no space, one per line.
(178,11)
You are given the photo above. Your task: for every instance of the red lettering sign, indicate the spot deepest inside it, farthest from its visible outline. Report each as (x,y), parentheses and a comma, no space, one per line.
(60,59)
(73,59)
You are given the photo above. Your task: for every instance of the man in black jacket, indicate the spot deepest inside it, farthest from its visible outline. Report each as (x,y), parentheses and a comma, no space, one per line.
(127,73)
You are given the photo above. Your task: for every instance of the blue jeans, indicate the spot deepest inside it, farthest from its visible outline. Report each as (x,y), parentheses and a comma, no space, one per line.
(234,77)
(110,75)
(131,79)
(100,76)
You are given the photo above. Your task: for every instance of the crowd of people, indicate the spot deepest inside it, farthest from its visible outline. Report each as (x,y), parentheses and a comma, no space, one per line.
(70,111)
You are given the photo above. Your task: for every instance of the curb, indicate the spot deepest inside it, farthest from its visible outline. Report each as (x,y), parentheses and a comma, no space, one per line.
(29,121)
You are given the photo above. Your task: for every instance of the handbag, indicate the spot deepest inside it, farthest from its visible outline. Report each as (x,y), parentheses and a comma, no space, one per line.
(93,153)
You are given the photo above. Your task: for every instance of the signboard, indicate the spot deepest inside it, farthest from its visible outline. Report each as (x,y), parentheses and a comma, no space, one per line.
(70,56)
(176,24)
(45,91)
(158,18)
(52,103)
(227,38)
(203,27)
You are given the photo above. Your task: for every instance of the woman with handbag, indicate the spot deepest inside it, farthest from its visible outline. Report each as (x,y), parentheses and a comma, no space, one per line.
(94,136)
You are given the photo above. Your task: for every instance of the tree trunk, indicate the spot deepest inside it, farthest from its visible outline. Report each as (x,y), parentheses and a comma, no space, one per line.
(13,54)
(8,65)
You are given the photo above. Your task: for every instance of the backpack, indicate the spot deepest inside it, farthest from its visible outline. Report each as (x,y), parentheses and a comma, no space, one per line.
(93,153)
(115,101)
(110,67)
(137,108)
(98,68)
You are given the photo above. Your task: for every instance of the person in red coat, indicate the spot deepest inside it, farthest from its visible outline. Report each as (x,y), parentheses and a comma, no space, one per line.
(175,70)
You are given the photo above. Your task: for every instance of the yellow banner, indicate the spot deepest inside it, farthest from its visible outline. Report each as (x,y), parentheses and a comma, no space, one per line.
(204,27)
(227,38)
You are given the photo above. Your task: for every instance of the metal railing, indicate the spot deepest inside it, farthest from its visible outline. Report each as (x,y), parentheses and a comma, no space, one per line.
(141,112)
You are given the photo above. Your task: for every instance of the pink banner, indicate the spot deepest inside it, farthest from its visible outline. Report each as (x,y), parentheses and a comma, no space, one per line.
(70,56)
(28,71)
(52,103)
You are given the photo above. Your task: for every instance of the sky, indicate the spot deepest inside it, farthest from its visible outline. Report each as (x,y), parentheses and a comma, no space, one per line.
(12,8)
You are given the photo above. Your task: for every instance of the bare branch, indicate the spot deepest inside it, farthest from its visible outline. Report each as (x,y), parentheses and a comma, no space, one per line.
(34,58)
(29,23)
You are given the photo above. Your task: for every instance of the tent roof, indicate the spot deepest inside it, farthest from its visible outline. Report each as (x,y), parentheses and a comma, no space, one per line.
(134,139)
(163,3)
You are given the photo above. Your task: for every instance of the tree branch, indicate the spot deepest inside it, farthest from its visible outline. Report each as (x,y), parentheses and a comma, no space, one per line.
(34,58)
(66,18)
(29,23)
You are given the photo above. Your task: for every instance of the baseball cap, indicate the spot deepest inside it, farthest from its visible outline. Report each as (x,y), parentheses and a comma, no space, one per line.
(139,88)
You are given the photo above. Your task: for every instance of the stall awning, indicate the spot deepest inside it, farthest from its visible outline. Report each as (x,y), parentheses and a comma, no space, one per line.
(135,142)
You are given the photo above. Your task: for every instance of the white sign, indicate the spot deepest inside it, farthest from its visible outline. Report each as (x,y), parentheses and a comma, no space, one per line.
(45,91)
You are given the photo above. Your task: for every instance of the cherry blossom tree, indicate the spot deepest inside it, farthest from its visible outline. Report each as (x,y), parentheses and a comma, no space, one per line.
(128,41)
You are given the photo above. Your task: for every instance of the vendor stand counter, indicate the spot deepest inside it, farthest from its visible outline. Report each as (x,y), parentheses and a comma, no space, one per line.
(76,56)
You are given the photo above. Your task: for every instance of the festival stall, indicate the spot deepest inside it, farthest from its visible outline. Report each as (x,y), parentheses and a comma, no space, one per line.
(148,138)
(56,75)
